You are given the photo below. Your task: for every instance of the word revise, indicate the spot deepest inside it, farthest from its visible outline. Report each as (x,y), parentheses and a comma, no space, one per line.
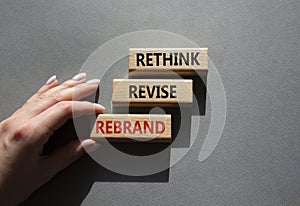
(157,91)
(143,92)
(132,126)
(182,61)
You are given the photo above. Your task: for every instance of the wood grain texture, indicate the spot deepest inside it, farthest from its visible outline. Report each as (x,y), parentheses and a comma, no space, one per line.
(149,92)
(151,61)
(128,127)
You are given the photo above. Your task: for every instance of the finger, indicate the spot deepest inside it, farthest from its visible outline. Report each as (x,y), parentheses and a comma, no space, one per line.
(78,92)
(76,80)
(54,117)
(69,90)
(75,93)
(81,91)
(48,89)
(51,82)
(67,154)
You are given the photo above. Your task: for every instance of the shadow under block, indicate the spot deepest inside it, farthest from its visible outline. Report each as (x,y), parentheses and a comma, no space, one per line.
(163,61)
(152,92)
(130,127)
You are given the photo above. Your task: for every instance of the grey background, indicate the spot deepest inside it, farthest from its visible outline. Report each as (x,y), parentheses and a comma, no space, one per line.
(253,44)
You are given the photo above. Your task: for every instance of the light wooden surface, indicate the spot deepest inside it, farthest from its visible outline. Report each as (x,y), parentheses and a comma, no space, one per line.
(152,92)
(155,61)
(128,127)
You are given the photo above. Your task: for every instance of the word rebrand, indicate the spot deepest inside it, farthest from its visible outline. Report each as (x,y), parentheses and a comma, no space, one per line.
(132,126)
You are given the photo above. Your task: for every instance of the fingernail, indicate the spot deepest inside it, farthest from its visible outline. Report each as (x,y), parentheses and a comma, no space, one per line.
(93,81)
(90,145)
(99,106)
(79,76)
(51,79)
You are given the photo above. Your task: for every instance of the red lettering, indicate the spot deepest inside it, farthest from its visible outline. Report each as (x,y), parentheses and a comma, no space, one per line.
(137,127)
(146,125)
(99,127)
(127,125)
(162,127)
(108,127)
(117,127)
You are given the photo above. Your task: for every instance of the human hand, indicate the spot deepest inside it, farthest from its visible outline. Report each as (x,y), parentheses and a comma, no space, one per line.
(23,168)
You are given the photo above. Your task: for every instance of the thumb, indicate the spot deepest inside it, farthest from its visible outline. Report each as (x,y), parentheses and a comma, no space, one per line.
(68,154)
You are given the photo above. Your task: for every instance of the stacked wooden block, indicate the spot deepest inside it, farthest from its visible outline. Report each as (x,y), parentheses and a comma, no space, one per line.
(157,78)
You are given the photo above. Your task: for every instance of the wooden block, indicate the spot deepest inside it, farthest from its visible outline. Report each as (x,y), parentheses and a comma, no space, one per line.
(152,92)
(161,61)
(128,127)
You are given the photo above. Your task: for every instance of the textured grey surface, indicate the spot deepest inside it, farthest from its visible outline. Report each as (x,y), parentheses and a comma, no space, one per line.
(253,44)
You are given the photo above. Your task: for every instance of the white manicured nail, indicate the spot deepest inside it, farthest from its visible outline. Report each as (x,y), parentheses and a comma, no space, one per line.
(93,81)
(51,79)
(79,76)
(90,145)
(99,106)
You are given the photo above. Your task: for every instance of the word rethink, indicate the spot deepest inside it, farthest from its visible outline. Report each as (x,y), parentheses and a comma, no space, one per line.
(172,59)
(162,60)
